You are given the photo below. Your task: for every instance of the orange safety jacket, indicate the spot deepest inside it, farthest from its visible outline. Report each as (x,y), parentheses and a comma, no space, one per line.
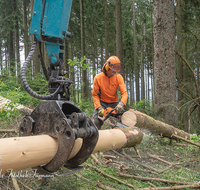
(105,89)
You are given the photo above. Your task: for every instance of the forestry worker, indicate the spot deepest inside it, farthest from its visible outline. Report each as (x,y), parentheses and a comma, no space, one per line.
(105,89)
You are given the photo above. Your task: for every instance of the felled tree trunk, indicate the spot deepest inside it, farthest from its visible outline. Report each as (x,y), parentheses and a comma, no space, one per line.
(145,122)
(24,152)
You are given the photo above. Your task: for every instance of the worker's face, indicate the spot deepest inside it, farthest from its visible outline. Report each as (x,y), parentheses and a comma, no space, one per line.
(109,73)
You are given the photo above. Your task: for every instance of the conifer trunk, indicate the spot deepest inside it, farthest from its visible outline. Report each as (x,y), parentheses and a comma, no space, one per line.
(144,122)
(164,60)
(18,153)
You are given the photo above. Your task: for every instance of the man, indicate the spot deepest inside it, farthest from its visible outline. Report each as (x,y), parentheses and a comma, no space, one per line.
(105,89)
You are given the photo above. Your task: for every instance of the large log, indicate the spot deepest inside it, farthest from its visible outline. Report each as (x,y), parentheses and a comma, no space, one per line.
(145,122)
(24,152)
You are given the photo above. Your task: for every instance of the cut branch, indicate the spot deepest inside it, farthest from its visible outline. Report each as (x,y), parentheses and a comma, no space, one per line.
(160,159)
(149,167)
(15,184)
(155,179)
(194,186)
(8,130)
(119,181)
(188,141)
(24,185)
(95,159)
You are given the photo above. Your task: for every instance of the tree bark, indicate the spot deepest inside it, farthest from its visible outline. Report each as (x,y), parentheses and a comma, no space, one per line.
(135,118)
(106,29)
(142,64)
(118,30)
(136,67)
(16,37)
(24,152)
(164,60)
(25,28)
(84,71)
(179,47)
(72,76)
(131,90)
(36,61)
(66,55)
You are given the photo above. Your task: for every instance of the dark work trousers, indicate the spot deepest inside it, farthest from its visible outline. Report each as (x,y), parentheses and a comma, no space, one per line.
(104,105)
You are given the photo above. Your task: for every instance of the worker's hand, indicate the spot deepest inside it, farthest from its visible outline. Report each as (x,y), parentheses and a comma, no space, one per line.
(100,111)
(120,106)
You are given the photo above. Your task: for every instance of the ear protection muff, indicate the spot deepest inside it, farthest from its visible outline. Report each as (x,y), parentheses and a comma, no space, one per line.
(107,67)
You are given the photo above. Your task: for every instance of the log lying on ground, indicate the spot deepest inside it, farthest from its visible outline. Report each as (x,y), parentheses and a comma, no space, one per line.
(143,121)
(24,152)
(4,101)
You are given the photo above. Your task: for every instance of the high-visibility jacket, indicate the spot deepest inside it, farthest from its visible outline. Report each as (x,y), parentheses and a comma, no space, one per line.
(105,89)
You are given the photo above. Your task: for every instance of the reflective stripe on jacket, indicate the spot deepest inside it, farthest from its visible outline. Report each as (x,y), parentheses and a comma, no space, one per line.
(108,89)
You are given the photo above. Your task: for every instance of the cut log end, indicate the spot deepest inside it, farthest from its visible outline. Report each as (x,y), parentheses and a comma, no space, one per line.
(129,118)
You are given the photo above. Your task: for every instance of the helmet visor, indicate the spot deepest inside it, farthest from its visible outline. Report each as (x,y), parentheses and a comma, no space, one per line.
(117,68)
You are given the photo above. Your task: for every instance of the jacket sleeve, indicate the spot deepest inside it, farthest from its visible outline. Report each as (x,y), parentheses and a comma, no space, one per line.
(122,88)
(95,95)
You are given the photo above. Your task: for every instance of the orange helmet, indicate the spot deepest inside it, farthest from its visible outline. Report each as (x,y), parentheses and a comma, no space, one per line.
(114,64)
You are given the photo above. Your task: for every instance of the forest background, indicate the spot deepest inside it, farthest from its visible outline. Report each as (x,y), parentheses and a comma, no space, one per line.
(158,42)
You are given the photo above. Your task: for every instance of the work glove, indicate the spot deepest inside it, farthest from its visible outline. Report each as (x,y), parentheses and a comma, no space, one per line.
(120,106)
(100,111)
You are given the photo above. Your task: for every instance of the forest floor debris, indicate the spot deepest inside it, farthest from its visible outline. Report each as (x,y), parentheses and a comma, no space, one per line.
(160,166)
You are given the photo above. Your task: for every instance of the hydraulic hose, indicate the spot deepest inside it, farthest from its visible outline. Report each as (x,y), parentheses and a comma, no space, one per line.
(23,77)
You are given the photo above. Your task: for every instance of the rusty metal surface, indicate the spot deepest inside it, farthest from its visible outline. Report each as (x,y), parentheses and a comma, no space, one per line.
(64,121)
(87,147)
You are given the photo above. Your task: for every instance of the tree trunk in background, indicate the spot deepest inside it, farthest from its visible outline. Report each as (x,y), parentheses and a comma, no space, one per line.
(84,71)
(106,29)
(142,64)
(66,56)
(93,44)
(148,84)
(152,53)
(119,49)
(136,67)
(11,52)
(179,47)
(164,60)
(102,53)
(72,77)
(197,47)
(17,37)
(46,58)
(152,89)
(36,61)
(93,61)
(1,64)
(6,61)
(131,90)
(10,37)
(25,29)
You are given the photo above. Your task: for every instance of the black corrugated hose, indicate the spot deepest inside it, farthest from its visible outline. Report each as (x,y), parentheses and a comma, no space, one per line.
(23,77)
